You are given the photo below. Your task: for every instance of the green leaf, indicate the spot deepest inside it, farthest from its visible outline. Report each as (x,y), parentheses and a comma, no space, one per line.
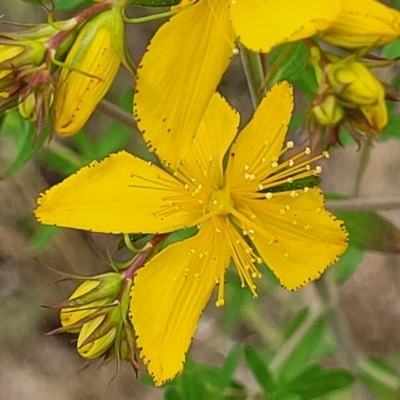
(43,236)
(228,368)
(295,322)
(315,382)
(381,379)
(347,264)
(156,3)
(369,231)
(26,144)
(300,354)
(392,50)
(287,62)
(172,393)
(192,386)
(61,5)
(259,369)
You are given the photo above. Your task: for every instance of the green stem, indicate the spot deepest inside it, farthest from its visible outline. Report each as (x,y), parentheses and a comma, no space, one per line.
(365,154)
(254,74)
(152,17)
(347,347)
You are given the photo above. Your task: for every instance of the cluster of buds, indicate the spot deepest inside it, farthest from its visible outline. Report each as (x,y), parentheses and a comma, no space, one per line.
(98,312)
(88,48)
(349,95)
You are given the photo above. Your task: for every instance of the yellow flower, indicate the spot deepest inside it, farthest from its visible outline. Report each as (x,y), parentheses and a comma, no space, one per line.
(363,23)
(188,56)
(242,212)
(91,66)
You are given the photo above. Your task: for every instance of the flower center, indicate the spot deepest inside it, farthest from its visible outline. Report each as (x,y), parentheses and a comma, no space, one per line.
(222,201)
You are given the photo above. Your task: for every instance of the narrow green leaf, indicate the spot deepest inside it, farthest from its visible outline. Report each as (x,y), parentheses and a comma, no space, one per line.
(315,382)
(347,264)
(156,3)
(368,230)
(192,385)
(26,144)
(301,353)
(43,236)
(295,322)
(259,369)
(228,368)
(381,379)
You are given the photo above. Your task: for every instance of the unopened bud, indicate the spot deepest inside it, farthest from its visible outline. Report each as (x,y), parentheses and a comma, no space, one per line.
(329,112)
(354,82)
(95,338)
(26,107)
(90,68)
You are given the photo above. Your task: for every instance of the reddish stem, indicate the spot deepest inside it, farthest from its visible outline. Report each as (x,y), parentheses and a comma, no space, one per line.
(141,258)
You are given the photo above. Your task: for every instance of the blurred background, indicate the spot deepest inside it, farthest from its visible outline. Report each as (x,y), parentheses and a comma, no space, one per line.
(34,366)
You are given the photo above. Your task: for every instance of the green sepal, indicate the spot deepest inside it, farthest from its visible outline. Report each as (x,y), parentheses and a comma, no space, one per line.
(156,3)
(299,184)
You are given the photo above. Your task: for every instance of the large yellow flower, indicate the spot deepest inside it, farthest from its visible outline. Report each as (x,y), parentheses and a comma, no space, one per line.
(189,54)
(241,214)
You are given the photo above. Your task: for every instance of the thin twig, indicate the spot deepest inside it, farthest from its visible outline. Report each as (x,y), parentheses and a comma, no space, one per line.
(364,204)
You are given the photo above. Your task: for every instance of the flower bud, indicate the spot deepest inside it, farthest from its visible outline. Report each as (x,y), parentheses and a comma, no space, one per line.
(363,23)
(328,112)
(376,116)
(95,338)
(20,54)
(354,82)
(88,299)
(26,107)
(91,66)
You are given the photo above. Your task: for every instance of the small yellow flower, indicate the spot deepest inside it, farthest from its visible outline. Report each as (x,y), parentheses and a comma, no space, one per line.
(205,33)
(91,66)
(242,212)
(363,23)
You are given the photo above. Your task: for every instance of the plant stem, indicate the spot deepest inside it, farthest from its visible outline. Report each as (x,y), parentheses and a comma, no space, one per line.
(254,74)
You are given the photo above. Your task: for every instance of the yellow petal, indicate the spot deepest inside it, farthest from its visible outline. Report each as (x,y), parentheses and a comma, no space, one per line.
(168,297)
(363,23)
(260,143)
(179,74)
(299,238)
(260,24)
(216,132)
(121,194)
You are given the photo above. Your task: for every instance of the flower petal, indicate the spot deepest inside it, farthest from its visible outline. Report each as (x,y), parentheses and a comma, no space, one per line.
(261,25)
(121,194)
(168,297)
(260,142)
(216,132)
(363,23)
(178,75)
(299,238)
